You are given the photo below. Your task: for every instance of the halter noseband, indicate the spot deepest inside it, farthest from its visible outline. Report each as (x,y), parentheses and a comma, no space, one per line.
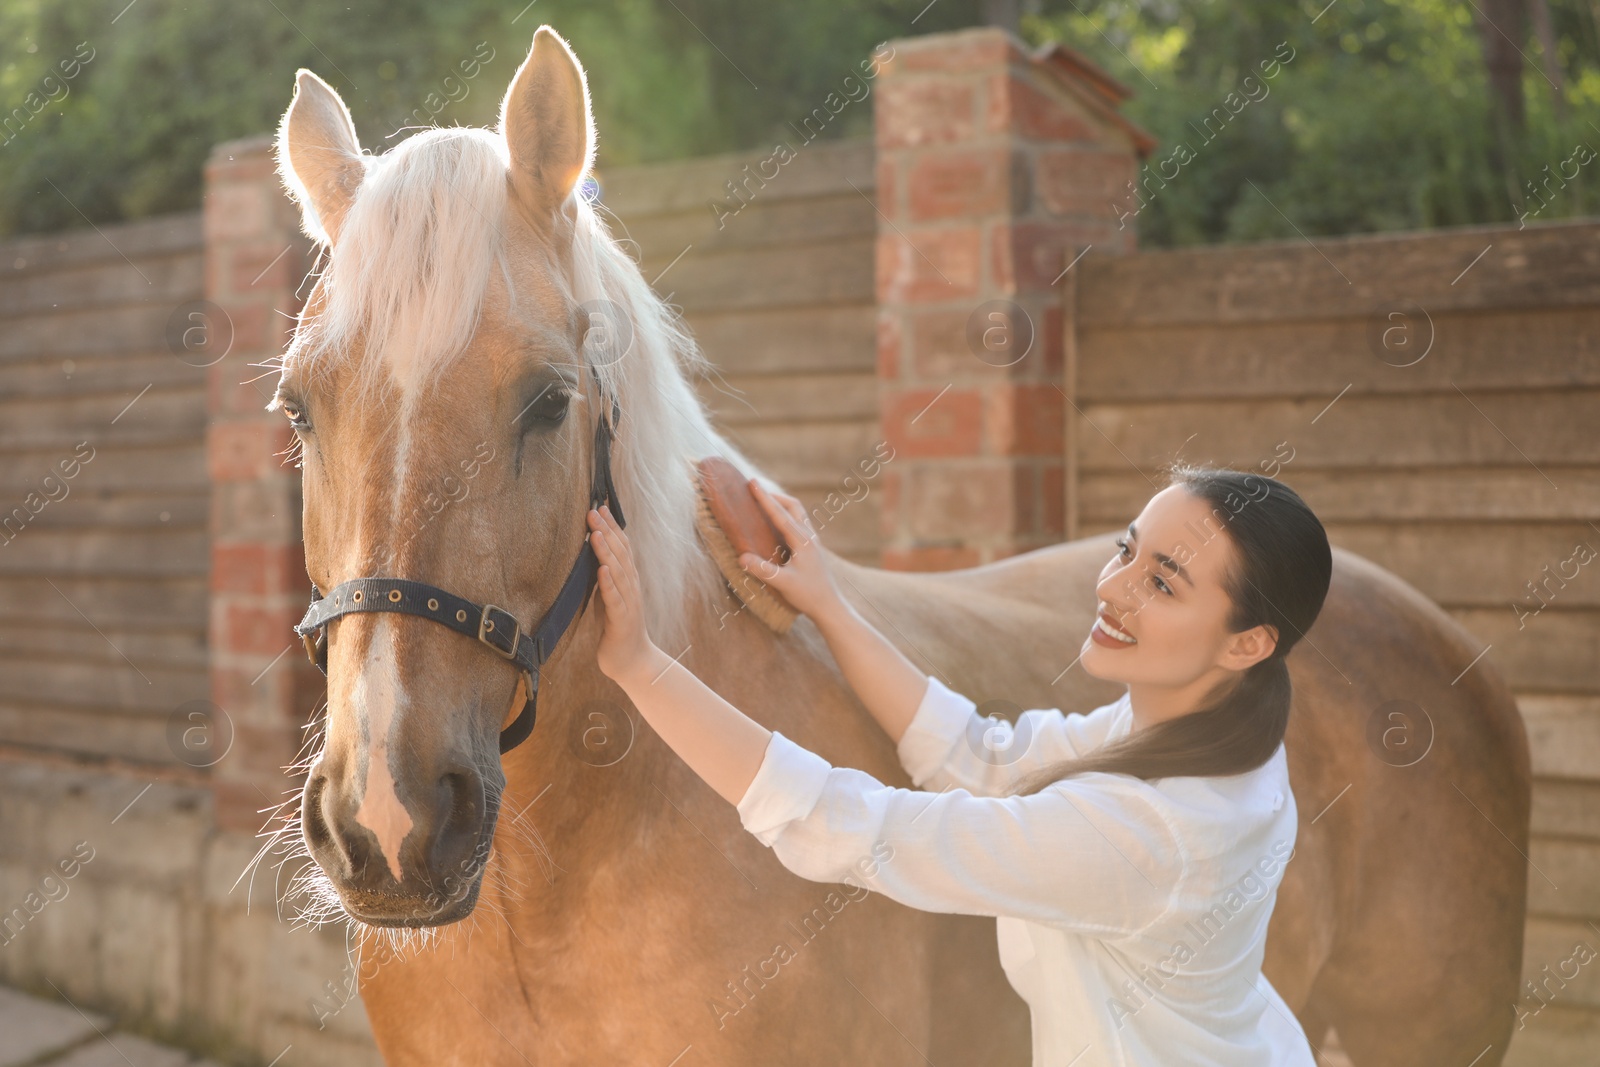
(494,626)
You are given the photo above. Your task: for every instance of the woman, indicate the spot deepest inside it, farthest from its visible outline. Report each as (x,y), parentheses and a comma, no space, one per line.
(1131,856)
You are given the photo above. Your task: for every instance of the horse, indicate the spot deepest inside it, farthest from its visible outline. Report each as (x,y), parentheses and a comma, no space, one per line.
(582,897)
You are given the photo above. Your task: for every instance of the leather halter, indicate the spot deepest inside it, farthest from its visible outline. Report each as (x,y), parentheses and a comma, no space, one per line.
(492,625)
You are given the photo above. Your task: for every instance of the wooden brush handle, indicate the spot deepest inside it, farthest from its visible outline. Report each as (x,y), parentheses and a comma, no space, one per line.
(737,511)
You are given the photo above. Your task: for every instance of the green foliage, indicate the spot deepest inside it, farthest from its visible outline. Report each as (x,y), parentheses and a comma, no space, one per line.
(1380,121)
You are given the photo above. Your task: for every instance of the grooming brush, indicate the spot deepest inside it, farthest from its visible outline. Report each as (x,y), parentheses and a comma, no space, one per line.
(731,522)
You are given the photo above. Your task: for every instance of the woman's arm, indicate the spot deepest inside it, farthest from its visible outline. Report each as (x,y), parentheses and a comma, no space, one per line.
(884,680)
(1093,857)
(719,742)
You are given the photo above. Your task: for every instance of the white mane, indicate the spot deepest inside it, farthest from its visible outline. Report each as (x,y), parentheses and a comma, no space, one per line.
(407,285)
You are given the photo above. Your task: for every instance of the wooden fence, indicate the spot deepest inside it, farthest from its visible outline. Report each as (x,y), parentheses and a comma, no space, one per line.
(104,493)
(1437,397)
(777,284)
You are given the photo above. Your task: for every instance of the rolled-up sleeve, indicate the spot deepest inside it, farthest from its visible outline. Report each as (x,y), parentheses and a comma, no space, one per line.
(948,744)
(1093,854)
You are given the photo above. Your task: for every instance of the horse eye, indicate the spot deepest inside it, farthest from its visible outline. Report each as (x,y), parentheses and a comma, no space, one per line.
(296,415)
(545,410)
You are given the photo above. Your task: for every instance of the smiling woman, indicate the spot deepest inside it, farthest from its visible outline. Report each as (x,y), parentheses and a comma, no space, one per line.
(1110,845)
(1217,579)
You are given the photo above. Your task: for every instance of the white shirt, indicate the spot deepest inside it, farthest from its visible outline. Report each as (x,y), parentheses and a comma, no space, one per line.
(1131,915)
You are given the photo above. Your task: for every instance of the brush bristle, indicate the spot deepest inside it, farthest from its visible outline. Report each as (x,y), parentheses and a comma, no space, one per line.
(775,612)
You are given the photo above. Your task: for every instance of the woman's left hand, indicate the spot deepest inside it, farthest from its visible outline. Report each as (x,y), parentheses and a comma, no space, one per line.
(625,646)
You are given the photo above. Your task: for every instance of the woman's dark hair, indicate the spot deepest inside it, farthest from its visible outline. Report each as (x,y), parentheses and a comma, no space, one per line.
(1279,578)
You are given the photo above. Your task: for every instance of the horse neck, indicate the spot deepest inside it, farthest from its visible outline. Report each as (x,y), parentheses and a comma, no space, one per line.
(573,788)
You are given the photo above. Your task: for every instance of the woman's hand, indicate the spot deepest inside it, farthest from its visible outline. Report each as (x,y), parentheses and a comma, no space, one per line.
(625,645)
(805,581)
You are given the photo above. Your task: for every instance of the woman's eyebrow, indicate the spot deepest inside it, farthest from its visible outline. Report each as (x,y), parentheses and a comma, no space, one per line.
(1162,558)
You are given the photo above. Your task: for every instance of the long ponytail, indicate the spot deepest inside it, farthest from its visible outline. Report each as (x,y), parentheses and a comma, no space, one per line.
(1280,579)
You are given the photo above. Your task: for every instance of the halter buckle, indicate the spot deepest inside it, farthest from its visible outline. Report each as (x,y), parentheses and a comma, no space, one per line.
(490,629)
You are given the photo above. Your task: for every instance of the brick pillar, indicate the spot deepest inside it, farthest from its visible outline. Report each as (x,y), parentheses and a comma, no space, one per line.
(997,167)
(255,259)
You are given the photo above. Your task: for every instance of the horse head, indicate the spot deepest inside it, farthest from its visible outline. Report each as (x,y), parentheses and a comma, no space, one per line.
(444,384)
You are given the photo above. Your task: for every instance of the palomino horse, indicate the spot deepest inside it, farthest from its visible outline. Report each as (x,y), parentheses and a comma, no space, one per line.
(552,906)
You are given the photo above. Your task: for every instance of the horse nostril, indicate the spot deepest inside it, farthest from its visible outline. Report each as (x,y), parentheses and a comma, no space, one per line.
(463,799)
(461,814)
(313,822)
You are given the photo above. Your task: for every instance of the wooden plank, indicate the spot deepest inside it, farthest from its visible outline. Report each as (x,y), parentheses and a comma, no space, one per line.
(761,223)
(165,280)
(87,731)
(1514,349)
(1548,962)
(1553,1035)
(58,441)
(106,509)
(1564,736)
(1510,430)
(745,398)
(108,553)
(1554,655)
(817,169)
(113,604)
(841,336)
(1365,495)
(793,275)
(1484,564)
(806,452)
(150,689)
(1544,265)
(1566,808)
(122,374)
(99,416)
(92,332)
(1566,880)
(158,236)
(177,465)
(171,647)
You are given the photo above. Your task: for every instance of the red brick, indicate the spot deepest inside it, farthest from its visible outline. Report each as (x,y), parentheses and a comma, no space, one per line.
(924,111)
(1052,499)
(938,344)
(890,344)
(262,268)
(930,558)
(252,332)
(257,568)
(926,266)
(887,193)
(257,630)
(231,392)
(890,494)
(1029,257)
(960,52)
(244,451)
(1050,340)
(1077,184)
(921,423)
(966,504)
(1013,105)
(959,184)
(1025,420)
(1025,504)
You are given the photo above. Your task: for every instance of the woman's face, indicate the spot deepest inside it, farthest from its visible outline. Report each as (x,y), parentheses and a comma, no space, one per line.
(1163,593)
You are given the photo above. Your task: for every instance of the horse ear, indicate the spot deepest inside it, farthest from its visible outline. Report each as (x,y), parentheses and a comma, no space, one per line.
(548,127)
(319,157)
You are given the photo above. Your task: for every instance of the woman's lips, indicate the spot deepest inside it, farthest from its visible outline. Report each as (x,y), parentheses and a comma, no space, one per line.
(1108,634)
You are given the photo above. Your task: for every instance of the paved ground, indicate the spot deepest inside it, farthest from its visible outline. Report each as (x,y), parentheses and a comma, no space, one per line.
(34,1031)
